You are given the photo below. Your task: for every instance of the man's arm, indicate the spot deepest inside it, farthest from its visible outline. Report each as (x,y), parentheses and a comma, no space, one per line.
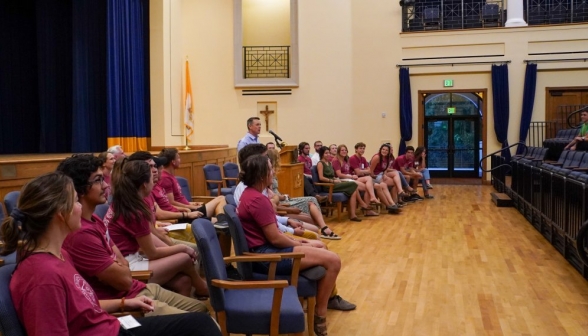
(117,276)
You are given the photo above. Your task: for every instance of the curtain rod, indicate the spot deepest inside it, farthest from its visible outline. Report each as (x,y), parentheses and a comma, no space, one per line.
(557,60)
(452,63)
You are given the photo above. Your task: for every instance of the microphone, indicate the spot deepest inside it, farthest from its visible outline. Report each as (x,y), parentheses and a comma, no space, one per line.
(275,136)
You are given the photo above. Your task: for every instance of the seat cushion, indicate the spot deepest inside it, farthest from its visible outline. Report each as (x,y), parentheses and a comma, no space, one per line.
(249,311)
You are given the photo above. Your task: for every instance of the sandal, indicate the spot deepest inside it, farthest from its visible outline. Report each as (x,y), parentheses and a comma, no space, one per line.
(355,219)
(332,235)
(320,325)
(367,208)
(371,213)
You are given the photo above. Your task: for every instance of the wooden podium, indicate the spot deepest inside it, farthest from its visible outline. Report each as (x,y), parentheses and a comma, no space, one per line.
(291,173)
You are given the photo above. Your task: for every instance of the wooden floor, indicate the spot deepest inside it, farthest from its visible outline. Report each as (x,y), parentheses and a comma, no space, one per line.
(455,265)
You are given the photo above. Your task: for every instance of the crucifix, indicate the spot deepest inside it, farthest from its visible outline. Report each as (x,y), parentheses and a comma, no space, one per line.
(266,113)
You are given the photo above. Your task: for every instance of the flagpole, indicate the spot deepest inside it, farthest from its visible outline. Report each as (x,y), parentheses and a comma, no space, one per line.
(186,111)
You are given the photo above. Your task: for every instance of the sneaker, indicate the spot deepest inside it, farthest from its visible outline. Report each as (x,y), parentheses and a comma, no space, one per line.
(408,199)
(221,222)
(429,196)
(429,186)
(416,197)
(338,303)
(233,273)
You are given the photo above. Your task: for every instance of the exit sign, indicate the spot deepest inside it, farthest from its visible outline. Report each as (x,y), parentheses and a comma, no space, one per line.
(450,110)
(448,83)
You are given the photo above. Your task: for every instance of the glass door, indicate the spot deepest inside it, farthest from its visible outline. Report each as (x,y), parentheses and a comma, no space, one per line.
(452,134)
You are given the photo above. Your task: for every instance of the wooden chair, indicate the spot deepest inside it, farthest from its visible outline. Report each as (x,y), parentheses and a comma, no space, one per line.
(215,183)
(231,171)
(306,284)
(335,200)
(247,307)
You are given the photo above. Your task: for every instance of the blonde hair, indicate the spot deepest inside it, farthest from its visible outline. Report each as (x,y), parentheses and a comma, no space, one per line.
(274,157)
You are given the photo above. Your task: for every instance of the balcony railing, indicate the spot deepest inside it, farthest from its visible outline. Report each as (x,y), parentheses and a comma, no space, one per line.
(266,62)
(419,15)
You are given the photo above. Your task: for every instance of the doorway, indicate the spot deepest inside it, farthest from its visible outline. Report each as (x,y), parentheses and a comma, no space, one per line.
(453,133)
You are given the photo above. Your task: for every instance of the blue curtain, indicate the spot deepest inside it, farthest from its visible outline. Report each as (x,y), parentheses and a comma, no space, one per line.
(528,102)
(19,101)
(405,110)
(52,76)
(501,106)
(88,127)
(127,108)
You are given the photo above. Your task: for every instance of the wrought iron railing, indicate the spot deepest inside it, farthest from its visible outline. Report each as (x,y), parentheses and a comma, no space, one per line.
(419,15)
(266,62)
(539,131)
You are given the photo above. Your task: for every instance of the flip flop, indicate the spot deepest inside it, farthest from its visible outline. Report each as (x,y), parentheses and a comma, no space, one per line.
(355,219)
(373,214)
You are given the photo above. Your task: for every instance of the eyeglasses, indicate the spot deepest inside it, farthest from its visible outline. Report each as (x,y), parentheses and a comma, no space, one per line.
(98,180)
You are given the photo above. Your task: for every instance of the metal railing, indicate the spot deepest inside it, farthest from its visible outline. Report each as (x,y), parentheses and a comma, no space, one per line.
(539,131)
(421,15)
(266,62)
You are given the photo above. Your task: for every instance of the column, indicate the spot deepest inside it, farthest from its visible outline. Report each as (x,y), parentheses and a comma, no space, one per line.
(515,14)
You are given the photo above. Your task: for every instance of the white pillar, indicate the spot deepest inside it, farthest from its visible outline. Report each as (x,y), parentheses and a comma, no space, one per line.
(515,14)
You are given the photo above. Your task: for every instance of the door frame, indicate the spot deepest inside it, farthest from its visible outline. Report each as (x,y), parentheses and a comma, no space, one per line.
(484,121)
(451,155)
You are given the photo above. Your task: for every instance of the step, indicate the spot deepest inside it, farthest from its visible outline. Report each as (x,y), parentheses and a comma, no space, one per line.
(501,200)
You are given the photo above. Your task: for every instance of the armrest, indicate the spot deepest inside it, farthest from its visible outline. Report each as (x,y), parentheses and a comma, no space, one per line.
(556,164)
(288,210)
(324,184)
(142,276)
(580,169)
(272,258)
(571,167)
(249,284)
(203,199)
(134,313)
(214,181)
(296,256)
(231,178)
(281,213)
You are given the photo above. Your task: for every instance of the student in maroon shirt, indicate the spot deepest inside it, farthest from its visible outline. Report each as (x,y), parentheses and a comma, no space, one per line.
(261,231)
(361,168)
(129,221)
(405,165)
(49,295)
(97,258)
(382,171)
(365,183)
(304,157)
(172,188)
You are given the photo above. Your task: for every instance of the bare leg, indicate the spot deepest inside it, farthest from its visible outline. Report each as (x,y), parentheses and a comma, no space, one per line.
(353,204)
(165,269)
(384,194)
(181,284)
(331,262)
(215,206)
(369,185)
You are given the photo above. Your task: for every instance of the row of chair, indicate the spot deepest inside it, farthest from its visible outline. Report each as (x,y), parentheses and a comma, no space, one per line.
(553,197)
(562,138)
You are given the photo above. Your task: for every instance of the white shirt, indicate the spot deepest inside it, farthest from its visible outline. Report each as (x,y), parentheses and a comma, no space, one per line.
(315,158)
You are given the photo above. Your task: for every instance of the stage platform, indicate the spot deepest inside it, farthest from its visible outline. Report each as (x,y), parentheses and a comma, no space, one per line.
(16,170)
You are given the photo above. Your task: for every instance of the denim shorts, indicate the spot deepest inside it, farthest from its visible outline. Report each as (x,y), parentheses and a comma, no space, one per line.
(379,177)
(284,266)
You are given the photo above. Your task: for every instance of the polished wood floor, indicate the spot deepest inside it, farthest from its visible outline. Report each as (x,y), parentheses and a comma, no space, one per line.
(455,265)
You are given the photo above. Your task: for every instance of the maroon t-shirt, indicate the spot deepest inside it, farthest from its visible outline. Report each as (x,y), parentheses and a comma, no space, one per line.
(91,252)
(125,234)
(345,168)
(355,162)
(382,166)
(171,186)
(402,161)
(160,197)
(51,298)
(255,211)
(307,163)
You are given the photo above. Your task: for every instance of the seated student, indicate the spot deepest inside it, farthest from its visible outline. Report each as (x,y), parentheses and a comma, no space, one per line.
(270,145)
(327,174)
(365,183)
(96,257)
(174,193)
(361,168)
(129,220)
(307,205)
(579,142)
(117,151)
(261,232)
(109,160)
(336,302)
(303,157)
(184,236)
(420,165)
(315,157)
(49,295)
(382,171)
(333,150)
(405,164)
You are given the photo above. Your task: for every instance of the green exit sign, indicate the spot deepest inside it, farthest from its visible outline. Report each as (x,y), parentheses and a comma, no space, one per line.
(450,110)
(448,83)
